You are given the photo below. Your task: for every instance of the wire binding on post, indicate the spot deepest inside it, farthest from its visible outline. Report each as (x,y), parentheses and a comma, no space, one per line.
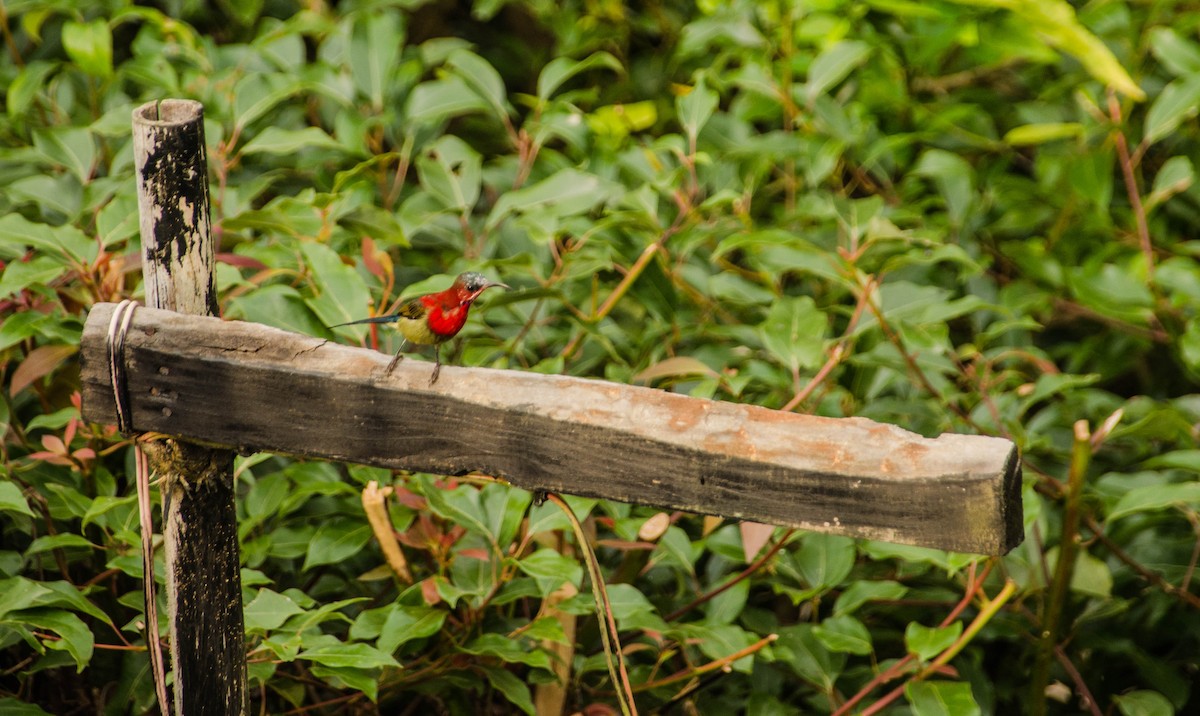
(117,328)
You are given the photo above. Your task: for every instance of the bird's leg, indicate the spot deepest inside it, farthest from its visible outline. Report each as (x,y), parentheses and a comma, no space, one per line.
(437,363)
(397,358)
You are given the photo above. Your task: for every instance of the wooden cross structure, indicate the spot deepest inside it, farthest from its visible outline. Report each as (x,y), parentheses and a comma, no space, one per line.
(222,386)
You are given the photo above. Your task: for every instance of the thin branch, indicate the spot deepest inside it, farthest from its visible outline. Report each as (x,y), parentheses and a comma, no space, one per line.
(1068,547)
(721,663)
(1131,188)
(744,574)
(974,587)
(632,275)
(985,615)
(1150,576)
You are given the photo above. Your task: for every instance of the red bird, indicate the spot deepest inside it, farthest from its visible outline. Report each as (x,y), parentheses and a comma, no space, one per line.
(434,318)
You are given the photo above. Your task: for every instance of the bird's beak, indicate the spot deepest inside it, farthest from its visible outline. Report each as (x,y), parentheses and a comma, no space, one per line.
(504,286)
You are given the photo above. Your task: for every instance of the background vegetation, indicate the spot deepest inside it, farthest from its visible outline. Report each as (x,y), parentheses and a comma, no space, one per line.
(952,216)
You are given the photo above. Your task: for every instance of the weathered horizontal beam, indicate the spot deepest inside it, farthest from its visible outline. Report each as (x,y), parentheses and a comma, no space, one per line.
(253,387)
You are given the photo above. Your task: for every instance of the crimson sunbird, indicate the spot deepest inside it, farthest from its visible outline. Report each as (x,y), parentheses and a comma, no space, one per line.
(434,318)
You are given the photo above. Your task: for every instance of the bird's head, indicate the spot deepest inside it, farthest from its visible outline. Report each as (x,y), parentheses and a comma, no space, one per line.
(471,284)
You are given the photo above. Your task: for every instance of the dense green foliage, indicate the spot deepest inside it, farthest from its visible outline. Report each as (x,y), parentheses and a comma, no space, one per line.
(948,216)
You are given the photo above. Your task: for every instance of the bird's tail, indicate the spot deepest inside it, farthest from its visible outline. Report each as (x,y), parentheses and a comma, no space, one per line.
(392,318)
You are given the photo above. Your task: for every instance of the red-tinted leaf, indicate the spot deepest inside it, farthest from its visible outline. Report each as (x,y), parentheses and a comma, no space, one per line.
(430,592)
(40,362)
(240,261)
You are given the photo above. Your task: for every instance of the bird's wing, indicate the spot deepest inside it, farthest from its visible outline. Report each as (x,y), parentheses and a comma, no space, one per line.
(412,310)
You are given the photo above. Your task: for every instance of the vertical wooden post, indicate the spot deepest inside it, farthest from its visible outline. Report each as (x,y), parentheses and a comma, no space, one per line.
(204,594)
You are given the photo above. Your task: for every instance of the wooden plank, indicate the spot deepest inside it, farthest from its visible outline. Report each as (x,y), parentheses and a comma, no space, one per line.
(204,592)
(260,388)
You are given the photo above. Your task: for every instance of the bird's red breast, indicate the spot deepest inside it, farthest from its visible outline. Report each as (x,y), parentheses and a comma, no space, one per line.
(445,312)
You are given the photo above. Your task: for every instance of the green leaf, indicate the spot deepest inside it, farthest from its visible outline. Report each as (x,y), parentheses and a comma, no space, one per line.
(954,178)
(859,593)
(504,509)
(1178,101)
(257,94)
(844,634)
(548,628)
(29,83)
(89,45)
(794,332)
(431,103)
(72,148)
(460,506)
(632,609)
(52,421)
(621,120)
(374,49)
(105,504)
(352,677)
(76,638)
(360,656)
(274,140)
(277,305)
(927,642)
(405,623)
(1041,133)
(548,516)
(833,64)
(13,707)
(12,500)
(562,69)
(1176,175)
(269,610)
(720,641)
(452,172)
(905,302)
(513,651)
(824,561)
(566,192)
(1091,576)
(1055,22)
(336,541)
(695,108)
(37,271)
(1189,344)
(799,648)
(941,698)
(1153,498)
(1143,703)
(514,689)
(64,594)
(47,543)
(18,593)
(1179,459)
(63,240)
(482,78)
(1177,54)
(550,569)
(340,293)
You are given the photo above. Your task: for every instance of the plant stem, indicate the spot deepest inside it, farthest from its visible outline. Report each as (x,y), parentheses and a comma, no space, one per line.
(1068,548)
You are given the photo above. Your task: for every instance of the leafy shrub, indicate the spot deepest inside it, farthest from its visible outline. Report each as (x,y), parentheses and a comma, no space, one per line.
(948,216)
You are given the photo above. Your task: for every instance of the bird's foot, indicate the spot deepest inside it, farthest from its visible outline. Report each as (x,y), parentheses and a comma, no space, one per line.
(392,365)
(437,369)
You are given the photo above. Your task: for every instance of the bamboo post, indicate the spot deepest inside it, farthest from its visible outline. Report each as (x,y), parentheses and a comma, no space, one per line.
(204,598)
